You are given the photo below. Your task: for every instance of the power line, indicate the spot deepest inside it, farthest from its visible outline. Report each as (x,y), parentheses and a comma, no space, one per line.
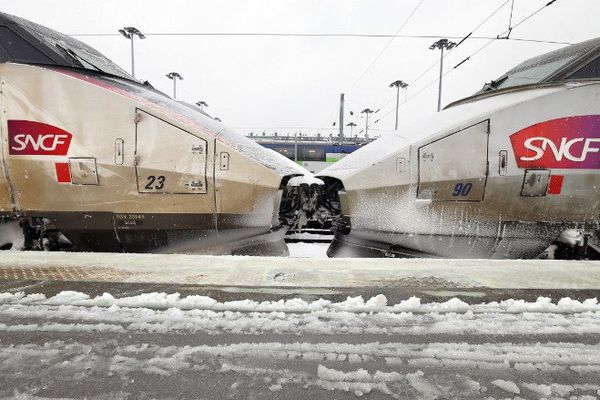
(506,32)
(532,14)
(483,22)
(491,40)
(462,39)
(499,37)
(366,70)
(280,127)
(314,34)
(539,40)
(512,7)
(387,44)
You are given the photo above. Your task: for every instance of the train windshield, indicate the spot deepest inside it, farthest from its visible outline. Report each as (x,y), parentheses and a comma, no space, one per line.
(554,66)
(26,42)
(535,74)
(81,54)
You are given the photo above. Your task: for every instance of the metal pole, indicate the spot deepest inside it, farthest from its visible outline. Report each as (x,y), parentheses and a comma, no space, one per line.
(296,147)
(132,60)
(397,105)
(367,125)
(341,135)
(174,87)
(441,73)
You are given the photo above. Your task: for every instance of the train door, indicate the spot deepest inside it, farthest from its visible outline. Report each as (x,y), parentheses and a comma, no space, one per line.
(455,167)
(169,160)
(174,181)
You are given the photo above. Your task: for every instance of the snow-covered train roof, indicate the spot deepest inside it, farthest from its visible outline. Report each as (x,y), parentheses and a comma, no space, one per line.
(25,42)
(571,53)
(574,62)
(580,61)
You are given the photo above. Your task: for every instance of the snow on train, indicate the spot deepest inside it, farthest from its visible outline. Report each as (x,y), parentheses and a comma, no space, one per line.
(91,155)
(510,172)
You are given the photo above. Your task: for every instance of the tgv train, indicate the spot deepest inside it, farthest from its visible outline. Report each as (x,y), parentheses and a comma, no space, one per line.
(510,172)
(92,157)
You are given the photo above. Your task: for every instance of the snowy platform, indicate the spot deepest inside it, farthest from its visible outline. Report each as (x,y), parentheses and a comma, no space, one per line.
(299,272)
(396,278)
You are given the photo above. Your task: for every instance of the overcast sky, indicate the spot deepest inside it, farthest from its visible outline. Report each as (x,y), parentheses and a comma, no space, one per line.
(290,84)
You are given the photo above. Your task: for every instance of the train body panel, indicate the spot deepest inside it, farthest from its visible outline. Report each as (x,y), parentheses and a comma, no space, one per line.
(455,186)
(113,165)
(6,205)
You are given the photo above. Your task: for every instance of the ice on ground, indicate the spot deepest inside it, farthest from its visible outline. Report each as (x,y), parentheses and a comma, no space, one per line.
(353,347)
(275,388)
(26,396)
(351,304)
(507,386)
(426,389)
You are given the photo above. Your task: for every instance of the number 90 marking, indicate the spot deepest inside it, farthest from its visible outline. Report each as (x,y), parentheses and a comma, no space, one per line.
(462,189)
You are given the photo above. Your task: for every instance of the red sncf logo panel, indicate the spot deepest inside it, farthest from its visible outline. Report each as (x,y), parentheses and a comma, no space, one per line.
(563,143)
(30,138)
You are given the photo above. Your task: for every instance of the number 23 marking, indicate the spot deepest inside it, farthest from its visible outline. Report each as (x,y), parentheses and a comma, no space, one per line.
(462,189)
(160,180)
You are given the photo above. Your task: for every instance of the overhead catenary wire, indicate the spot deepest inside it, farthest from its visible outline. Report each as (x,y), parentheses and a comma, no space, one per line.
(492,40)
(463,39)
(510,28)
(332,35)
(483,22)
(378,56)
(506,32)
(315,34)
(281,127)
(469,36)
(381,52)
(532,14)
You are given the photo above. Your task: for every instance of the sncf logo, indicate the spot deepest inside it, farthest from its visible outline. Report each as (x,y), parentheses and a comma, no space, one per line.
(572,142)
(37,139)
(539,145)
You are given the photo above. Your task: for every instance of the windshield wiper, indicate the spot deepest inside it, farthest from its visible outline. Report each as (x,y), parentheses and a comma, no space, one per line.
(494,84)
(83,63)
(77,58)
